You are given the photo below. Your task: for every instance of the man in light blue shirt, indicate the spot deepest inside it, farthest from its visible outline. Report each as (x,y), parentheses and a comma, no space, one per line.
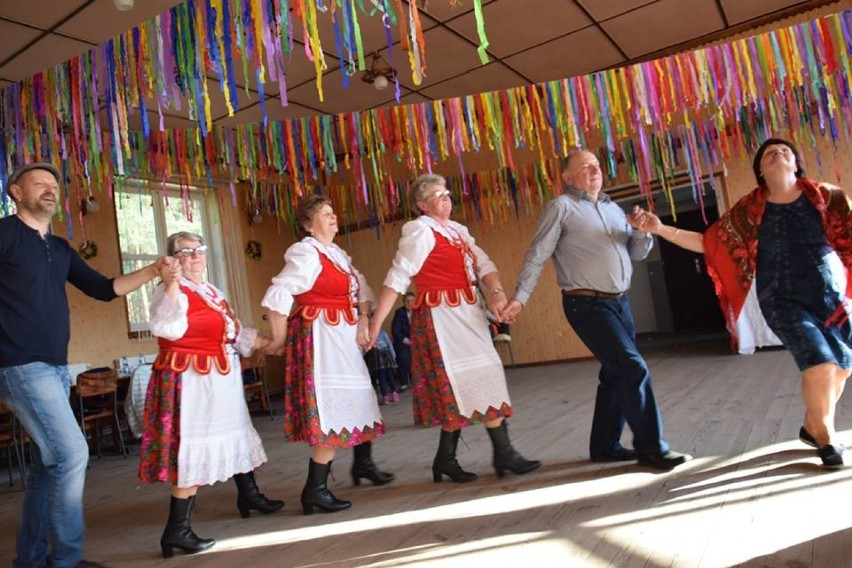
(592,246)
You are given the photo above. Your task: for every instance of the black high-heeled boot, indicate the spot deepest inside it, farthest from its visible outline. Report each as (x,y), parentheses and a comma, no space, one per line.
(445,462)
(250,498)
(505,456)
(178,532)
(363,466)
(316,492)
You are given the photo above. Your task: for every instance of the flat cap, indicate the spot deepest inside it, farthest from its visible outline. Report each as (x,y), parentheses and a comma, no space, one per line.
(16,175)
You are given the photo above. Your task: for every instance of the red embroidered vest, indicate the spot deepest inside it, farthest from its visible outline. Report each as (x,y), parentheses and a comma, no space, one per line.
(330,295)
(203,344)
(443,276)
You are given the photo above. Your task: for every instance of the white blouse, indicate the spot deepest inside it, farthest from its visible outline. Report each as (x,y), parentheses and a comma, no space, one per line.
(302,267)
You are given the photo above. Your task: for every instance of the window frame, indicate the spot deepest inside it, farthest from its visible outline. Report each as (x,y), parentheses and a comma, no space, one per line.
(212,230)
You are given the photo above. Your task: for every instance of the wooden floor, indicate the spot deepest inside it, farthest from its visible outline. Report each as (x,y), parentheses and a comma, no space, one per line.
(754,495)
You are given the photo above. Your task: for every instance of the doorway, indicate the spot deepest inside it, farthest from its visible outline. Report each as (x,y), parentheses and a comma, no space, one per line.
(692,300)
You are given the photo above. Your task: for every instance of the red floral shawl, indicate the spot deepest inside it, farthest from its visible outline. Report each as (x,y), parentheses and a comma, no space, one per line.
(730,244)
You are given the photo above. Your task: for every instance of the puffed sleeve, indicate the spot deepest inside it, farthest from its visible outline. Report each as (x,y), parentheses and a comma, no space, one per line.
(365,293)
(245,341)
(168,315)
(415,244)
(302,267)
(484,265)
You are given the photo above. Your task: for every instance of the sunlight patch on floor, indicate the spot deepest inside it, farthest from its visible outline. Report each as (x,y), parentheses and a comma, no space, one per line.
(488,506)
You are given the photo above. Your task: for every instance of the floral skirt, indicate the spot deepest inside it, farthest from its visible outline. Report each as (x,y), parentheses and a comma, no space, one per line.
(197,429)
(161,433)
(301,414)
(433,399)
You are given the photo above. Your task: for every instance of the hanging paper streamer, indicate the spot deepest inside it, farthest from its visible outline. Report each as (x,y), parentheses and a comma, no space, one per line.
(692,111)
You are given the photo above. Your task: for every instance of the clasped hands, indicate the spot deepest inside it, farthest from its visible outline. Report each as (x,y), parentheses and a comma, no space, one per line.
(646,221)
(168,269)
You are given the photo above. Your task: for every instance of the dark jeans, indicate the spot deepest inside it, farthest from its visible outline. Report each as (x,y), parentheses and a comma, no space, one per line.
(384,378)
(624,389)
(403,363)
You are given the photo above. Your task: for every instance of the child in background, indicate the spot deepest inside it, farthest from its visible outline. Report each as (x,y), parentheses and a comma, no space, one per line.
(381,362)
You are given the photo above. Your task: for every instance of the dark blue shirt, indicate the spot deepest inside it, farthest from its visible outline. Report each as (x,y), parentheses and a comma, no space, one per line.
(34,322)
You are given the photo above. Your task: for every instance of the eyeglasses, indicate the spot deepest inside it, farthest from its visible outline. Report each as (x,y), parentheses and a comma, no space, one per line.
(187,252)
(439,194)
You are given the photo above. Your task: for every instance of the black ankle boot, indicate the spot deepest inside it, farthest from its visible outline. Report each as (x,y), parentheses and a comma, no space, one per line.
(505,456)
(250,498)
(363,466)
(178,532)
(445,462)
(316,492)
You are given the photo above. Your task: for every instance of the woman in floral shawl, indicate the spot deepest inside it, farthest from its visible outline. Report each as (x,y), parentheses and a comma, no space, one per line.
(791,238)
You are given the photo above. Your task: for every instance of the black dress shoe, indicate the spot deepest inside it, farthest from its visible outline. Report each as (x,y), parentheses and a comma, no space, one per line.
(806,438)
(664,460)
(617,455)
(831,455)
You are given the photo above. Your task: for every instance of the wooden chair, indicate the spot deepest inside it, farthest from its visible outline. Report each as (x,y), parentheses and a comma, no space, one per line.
(254,381)
(12,442)
(97,402)
(505,340)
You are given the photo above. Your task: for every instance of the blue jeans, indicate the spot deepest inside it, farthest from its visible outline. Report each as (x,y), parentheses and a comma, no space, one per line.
(37,393)
(624,392)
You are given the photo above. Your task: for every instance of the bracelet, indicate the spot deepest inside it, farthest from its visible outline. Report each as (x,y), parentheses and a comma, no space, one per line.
(498,291)
(674,235)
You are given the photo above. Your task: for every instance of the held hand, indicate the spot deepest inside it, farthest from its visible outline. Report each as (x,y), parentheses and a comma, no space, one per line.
(170,270)
(496,304)
(644,220)
(363,333)
(511,311)
(274,347)
(373,335)
(161,262)
(261,343)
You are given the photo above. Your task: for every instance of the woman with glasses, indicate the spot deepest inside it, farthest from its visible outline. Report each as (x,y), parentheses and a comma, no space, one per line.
(457,376)
(318,305)
(197,428)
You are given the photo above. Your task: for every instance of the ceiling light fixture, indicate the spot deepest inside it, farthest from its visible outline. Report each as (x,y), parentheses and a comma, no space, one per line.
(380,73)
(123,5)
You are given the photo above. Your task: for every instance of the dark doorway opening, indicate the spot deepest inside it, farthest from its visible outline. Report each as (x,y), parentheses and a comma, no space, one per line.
(692,300)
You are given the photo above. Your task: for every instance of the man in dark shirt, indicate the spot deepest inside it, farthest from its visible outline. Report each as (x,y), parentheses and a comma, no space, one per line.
(591,243)
(34,381)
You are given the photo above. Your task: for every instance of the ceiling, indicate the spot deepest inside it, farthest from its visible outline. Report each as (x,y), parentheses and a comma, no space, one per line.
(530,41)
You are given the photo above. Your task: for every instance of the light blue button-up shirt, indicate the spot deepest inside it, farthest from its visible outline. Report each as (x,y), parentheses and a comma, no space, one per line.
(591,244)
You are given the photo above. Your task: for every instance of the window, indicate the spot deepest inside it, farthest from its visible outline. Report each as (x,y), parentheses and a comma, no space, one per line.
(145,218)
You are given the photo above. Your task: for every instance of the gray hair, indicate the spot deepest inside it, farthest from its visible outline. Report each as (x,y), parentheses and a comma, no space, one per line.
(419,190)
(174,239)
(565,162)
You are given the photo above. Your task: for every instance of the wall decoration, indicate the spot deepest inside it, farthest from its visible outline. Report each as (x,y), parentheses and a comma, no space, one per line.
(254,250)
(693,110)
(88,249)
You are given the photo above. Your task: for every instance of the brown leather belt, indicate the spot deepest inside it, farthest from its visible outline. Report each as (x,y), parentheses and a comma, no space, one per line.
(592,294)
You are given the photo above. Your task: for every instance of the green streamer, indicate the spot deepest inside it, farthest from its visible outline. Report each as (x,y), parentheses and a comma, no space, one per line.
(480,30)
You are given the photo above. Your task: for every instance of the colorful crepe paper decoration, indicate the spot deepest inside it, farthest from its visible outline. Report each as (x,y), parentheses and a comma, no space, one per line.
(691,111)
